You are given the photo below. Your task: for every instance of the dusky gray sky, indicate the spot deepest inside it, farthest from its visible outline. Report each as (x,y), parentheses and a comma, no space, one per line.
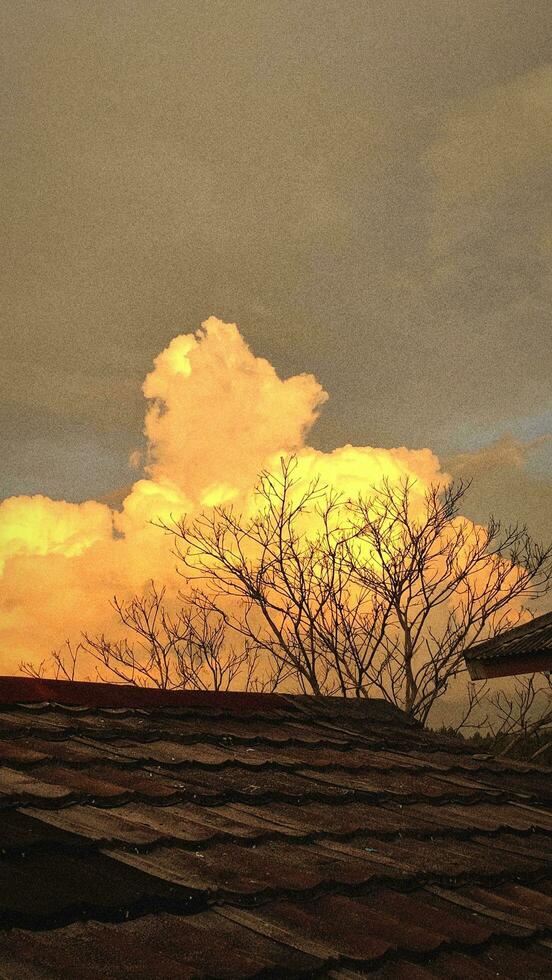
(364,186)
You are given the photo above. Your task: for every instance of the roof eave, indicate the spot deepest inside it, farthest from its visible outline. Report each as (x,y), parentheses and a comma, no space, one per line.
(529,663)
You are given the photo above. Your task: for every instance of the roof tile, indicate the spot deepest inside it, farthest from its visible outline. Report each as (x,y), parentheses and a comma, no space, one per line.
(147,835)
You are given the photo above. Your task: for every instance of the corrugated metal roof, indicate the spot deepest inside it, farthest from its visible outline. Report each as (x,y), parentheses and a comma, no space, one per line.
(534,637)
(277,837)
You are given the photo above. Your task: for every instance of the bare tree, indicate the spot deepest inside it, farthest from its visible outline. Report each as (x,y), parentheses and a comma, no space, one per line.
(512,720)
(521,714)
(446,581)
(474,717)
(63,663)
(381,596)
(282,579)
(184,649)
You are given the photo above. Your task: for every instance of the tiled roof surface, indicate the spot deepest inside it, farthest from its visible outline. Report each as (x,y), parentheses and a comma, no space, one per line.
(252,836)
(534,637)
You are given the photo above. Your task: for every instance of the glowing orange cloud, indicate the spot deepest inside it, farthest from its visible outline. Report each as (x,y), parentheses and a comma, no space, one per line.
(216,416)
(216,411)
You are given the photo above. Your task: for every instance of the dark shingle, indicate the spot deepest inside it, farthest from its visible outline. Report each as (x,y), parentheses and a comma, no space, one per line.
(153,835)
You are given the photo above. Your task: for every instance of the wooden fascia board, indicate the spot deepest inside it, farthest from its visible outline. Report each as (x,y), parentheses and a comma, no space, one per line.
(529,663)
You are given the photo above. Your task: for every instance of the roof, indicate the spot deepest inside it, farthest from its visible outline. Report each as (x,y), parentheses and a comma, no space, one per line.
(521,650)
(148,835)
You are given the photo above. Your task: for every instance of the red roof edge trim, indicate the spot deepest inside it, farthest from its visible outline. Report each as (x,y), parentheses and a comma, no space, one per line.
(31,690)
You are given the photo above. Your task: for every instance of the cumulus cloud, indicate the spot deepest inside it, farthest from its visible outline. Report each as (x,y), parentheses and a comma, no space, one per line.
(216,416)
(39,526)
(217,411)
(355,470)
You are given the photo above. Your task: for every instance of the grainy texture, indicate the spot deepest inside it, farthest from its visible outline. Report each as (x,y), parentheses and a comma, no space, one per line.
(250,836)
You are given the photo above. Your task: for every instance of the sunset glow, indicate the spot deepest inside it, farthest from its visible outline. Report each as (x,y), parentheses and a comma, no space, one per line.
(216,415)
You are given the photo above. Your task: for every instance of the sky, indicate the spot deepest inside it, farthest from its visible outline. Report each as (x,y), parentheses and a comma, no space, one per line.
(364,188)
